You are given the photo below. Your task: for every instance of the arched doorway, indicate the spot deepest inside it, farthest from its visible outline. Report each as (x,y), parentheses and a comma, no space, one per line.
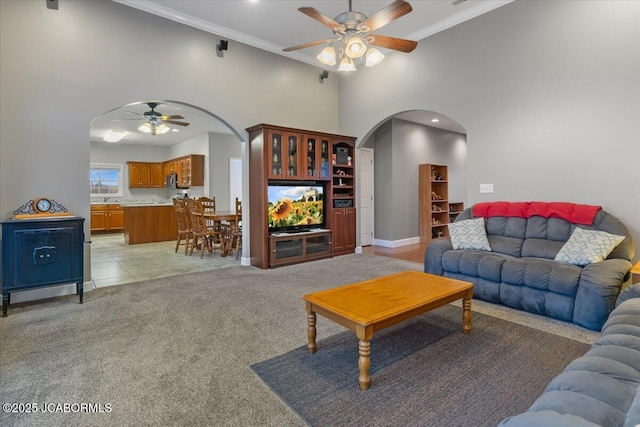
(397,145)
(191,130)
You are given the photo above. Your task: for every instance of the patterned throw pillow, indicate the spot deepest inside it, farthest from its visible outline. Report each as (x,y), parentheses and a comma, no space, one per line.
(588,246)
(469,234)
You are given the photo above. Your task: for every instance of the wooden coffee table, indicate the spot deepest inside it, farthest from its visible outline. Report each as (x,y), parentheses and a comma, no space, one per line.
(370,306)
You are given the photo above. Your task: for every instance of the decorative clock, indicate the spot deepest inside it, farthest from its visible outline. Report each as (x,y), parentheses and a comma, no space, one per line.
(40,207)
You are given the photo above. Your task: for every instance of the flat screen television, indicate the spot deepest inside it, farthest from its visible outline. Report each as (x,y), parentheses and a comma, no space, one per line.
(295,206)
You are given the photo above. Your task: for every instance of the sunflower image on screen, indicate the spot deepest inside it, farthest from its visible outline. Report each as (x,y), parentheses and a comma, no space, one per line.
(293,206)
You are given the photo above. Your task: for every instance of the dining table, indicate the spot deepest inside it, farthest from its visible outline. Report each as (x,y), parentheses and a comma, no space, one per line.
(217,217)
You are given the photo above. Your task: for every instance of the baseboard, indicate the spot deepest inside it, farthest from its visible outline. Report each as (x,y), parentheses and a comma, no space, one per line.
(245,261)
(396,243)
(358,249)
(48,292)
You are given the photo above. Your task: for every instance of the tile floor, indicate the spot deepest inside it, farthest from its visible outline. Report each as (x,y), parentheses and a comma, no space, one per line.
(113,262)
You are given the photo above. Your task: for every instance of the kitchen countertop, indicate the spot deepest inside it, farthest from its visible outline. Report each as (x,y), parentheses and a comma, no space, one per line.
(133,204)
(144,204)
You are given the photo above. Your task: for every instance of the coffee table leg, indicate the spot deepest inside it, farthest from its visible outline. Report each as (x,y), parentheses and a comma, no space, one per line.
(364,363)
(311,331)
(466,315)
(364,334)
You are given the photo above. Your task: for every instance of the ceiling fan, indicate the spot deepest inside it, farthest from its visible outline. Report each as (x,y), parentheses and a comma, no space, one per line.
(354,37)
(155,121)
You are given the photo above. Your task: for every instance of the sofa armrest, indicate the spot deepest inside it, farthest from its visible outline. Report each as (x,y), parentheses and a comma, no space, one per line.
(433,256)
(599,286)
(632,291)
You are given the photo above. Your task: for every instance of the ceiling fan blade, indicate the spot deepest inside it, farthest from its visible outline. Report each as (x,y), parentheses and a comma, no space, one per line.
(394,43)
(135,114)
(122,120)
(175,116)
(171,122)
(302,46)
(321,17)
(387,14)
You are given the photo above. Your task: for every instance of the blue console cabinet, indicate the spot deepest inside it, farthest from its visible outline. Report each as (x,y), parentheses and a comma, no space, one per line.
(41,252)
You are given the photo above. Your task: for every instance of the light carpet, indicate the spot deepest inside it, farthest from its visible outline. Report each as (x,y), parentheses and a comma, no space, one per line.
(171,351)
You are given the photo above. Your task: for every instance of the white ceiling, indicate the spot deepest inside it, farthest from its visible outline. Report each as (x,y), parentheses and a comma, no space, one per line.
(199,123)
(273,25)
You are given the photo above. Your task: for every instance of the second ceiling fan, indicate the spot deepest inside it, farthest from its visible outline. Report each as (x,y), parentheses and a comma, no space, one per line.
(354,37)
(155,121)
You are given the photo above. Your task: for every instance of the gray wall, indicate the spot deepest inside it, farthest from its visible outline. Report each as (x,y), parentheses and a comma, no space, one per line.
(548,92)
(401,146)
(221,149)
(62,69)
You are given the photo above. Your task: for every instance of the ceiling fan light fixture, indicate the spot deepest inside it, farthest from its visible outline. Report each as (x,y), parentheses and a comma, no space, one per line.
(114,135)
(145,128)
(162,128)
(327,56)
(347,64)
(374,57)
(355,47)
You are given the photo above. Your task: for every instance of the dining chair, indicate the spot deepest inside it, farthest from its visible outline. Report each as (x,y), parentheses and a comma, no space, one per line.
(184,228)
(236,234)
(202,235)
(209,205)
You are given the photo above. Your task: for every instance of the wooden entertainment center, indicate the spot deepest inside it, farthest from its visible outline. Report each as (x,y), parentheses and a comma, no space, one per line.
(281,154)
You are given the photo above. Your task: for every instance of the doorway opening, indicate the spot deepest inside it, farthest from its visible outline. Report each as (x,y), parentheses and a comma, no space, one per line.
(192,132)
(388,186)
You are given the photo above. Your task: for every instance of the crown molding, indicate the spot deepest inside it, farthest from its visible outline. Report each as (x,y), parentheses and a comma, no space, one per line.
(458,18)
(227,33)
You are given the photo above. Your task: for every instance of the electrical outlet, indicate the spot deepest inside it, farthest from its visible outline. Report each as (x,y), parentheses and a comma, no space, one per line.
(486,188)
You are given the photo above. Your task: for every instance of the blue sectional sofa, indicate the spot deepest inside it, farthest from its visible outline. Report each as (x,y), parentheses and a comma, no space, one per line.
(519,270)
(601,388)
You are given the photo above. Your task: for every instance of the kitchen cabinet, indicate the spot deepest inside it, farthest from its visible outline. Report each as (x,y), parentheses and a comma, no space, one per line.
(190,170)
(157,176)
(145,175)
(147,224)
(107,218)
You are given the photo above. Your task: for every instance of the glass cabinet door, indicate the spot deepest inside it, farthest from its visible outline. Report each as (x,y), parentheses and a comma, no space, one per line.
(312,163)
(275,155)
(324,159)
(293,152)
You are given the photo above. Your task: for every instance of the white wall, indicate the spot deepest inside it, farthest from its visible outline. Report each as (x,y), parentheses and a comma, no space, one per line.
(196,145)
(113,153)
(549,93)
(63,68)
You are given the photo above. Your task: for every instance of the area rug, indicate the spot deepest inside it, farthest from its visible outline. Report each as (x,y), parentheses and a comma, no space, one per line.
(425,372)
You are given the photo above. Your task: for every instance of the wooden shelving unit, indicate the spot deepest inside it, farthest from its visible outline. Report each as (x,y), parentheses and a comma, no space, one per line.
(435,209)
(278,153)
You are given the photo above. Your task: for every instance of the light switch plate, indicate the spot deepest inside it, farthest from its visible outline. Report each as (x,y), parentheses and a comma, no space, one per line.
(486,188)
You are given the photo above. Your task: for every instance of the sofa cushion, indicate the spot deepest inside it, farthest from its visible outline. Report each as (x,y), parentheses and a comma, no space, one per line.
(539,248)
(590,409)
(588,246)
(469,234)
(556,229)
(633,414)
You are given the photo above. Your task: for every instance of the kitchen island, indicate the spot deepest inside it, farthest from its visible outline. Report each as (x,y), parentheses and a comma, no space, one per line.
(149,222)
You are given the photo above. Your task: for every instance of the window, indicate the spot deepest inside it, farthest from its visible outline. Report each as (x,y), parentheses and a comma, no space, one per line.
(105,180)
